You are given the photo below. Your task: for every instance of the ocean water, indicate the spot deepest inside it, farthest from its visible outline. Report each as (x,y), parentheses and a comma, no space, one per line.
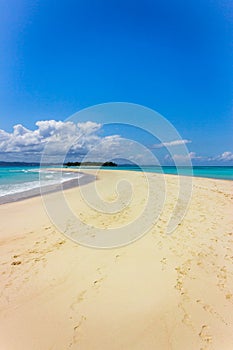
(17,180)
(213,172)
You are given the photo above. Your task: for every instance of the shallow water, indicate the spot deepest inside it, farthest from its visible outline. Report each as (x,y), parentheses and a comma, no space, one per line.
(21,179)
(213,172)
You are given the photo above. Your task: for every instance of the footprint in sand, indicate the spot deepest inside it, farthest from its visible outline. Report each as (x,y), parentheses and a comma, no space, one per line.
(205,334)
(76,332)
(164,263)
(117,257)
(80,297)
(222,278)
(97,283)
(16,262)
(211,310)
(229,296)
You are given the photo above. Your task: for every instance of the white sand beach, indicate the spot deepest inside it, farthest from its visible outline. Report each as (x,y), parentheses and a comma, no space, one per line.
(162,292)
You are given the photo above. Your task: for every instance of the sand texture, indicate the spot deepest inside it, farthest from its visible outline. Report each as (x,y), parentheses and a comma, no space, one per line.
(162,292)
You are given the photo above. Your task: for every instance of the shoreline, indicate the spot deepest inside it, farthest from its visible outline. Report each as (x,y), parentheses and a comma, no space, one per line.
(20,196)
(88,177)
(163,173)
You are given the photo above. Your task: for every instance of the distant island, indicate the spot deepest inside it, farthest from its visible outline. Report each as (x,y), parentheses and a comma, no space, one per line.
(10,164)
(21,164)
(89,164)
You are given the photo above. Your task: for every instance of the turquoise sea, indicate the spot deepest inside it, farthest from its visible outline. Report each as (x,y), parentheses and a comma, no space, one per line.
(213,172)
(19,179)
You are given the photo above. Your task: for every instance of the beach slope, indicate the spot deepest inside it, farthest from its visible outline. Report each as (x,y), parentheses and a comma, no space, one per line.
(160,292)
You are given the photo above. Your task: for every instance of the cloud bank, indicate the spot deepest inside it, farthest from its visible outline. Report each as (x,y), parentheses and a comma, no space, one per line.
(76,140)
(225,156)
(81,139)
(221,159)
(29,144)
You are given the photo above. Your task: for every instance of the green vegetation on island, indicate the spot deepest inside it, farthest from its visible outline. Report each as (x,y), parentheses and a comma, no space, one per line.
(90,164)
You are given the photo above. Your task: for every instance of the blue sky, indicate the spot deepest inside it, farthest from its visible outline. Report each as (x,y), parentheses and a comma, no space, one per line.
(175,57)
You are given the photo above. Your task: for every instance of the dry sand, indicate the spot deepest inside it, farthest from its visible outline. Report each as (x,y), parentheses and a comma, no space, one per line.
(161,292)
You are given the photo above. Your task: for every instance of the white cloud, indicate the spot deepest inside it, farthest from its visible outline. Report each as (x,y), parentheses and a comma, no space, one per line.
(183,157)
(78,137)
(114,146)
(191,155)
(76,140)
(88,127)
(225,156)
(171,143)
